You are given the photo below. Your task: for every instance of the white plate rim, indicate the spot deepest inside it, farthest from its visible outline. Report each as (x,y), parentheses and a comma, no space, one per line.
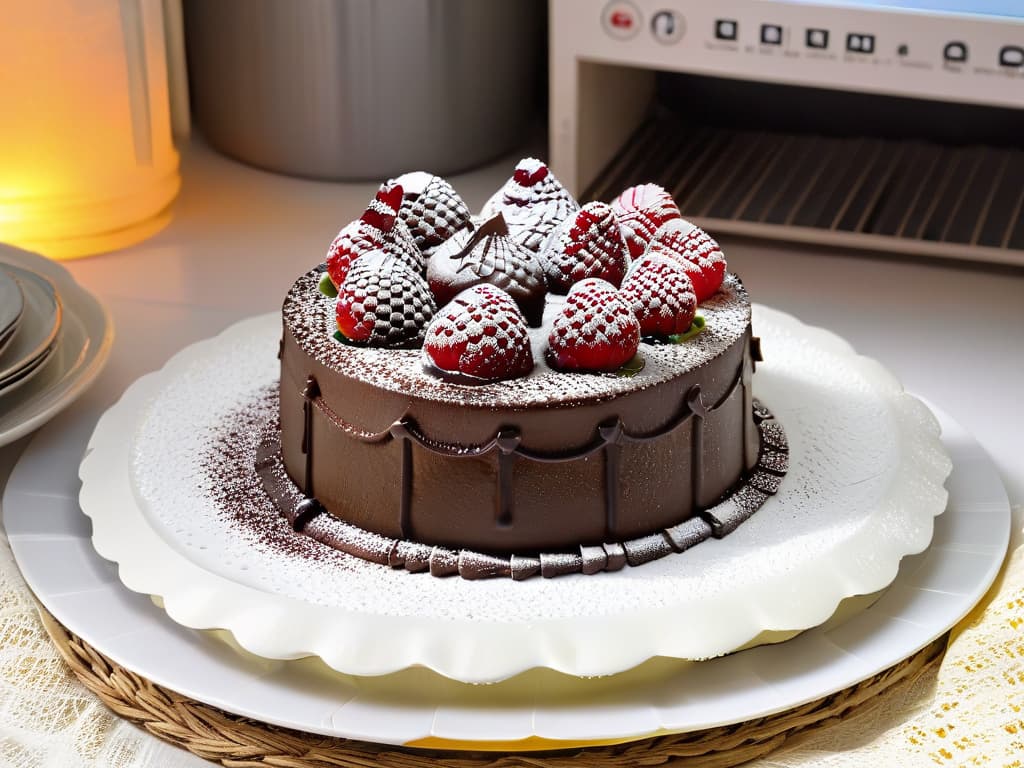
(88,599)
(278,627)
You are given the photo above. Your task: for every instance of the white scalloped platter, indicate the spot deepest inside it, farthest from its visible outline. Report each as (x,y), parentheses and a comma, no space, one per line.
(539,709)
(864,485)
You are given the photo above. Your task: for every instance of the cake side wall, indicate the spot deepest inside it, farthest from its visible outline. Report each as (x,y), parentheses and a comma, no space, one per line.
(521,504)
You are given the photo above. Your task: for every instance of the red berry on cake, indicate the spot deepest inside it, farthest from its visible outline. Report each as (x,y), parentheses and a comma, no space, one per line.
(431,208)
(661,296)
(595,331)
(641,211)
(353,241)
(691,244)
(587,244)
(383,302)
(533,202)
(383,209)
(378,227)
(489,255)
(480,335)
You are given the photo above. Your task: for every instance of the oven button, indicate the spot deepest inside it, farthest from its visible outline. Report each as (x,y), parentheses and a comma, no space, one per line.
(726,29)
(667,27)
(621,20)
(771,34)
(817,38)
(955,52)
(1011,56)
(858,42)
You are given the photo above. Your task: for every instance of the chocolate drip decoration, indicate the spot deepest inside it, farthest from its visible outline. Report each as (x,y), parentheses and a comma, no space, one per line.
(309,393)
(750,444)
(507,443)
(399,431)
(755,351)
(696,406)
(305,511)
(306,514)
(611,435)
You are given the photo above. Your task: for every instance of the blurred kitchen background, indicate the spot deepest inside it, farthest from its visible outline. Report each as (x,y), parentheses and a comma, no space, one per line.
(893,126)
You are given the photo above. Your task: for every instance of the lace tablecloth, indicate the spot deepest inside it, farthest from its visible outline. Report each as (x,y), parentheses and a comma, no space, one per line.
(967,711)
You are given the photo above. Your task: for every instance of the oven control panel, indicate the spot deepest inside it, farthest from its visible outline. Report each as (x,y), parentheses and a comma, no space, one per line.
(854,45)
(953,57)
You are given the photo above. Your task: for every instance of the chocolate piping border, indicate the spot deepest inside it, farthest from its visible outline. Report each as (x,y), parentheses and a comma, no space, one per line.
(611,434)
(717,521)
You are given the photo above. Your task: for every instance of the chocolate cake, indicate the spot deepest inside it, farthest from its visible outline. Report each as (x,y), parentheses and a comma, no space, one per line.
(462,439)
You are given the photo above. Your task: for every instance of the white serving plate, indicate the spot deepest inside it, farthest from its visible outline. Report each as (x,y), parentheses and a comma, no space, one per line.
(864,485)
(86,337)
(933,590)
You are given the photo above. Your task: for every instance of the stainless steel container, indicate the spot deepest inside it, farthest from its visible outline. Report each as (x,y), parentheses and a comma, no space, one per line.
(348,89)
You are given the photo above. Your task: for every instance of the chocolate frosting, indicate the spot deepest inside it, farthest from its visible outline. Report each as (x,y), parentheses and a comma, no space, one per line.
(591,458)
(737,506)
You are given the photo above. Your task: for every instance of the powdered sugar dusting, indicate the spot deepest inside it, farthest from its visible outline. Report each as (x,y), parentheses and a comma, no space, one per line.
(533,203)
(589,244)
(866,481)
(838,420)
(310,315)
(480,333)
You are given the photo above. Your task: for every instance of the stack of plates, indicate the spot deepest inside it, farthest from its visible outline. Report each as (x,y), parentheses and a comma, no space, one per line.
(54,339)
(30,318)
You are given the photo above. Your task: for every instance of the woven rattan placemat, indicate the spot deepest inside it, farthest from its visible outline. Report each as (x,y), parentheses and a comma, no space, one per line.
(239,742)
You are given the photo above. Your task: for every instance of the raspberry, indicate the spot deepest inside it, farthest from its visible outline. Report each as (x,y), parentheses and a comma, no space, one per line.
(383,302)
(533,202)
(431,209)
(691,244)
(588,244)
(355,239)
(383,209)
(377,228)
(481,335)
(641,211)
(661,295)
(595,331)
(489,255)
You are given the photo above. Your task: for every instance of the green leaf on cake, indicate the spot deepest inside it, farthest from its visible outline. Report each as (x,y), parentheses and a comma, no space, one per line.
(696,327)
(631,368)
(326,286)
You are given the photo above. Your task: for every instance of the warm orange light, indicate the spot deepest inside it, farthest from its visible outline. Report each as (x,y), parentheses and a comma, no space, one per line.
(87,162)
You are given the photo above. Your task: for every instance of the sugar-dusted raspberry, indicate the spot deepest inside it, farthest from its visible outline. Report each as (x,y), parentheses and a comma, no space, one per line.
(355,239)
(431,208)
(688,242)
(383,302)
(533,203)
(383,209)
(489,255)
(377,228)
(595,331)
(480,335)
(587,244)
(661,295)
(641,211)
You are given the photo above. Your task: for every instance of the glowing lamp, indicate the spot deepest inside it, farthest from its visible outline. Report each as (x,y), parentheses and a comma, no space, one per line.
(87,161)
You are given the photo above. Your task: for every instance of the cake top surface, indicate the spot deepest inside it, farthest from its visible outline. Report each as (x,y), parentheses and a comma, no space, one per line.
(309,316)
